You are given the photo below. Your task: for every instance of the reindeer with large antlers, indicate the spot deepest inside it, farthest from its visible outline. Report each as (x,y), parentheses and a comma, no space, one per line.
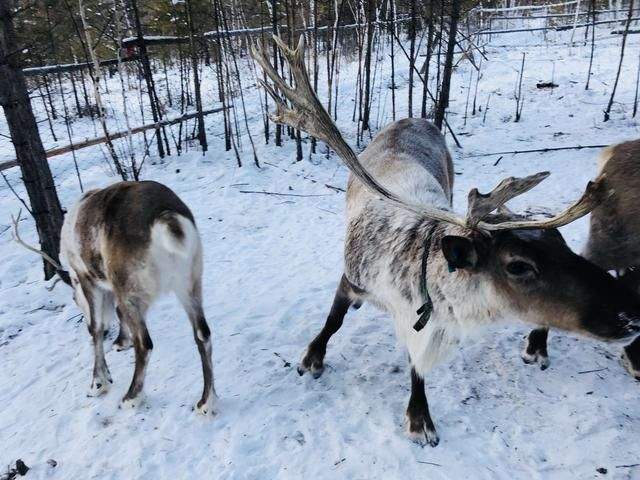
(407,251)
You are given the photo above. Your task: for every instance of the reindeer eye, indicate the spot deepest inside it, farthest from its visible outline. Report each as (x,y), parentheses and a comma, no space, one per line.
(519,268)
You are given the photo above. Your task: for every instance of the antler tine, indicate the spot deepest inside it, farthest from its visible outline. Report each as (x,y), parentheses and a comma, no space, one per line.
(480,205)
(308,114)
(19,241)
(594,194)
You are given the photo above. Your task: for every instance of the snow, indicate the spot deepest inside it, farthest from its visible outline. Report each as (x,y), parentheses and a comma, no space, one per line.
(272,264)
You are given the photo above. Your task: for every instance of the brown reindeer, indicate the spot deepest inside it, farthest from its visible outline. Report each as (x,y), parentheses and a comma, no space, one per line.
(439,275)
(614,240)
(124,245)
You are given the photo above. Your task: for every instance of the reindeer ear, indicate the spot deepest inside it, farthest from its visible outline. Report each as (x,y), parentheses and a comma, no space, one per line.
(460,252)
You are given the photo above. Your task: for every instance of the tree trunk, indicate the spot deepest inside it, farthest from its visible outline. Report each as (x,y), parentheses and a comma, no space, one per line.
(95,81)
(148,76)
(443,101)
(607,112)
(412,55)
(371,9)
(14,98)
(202,134)
(274,26)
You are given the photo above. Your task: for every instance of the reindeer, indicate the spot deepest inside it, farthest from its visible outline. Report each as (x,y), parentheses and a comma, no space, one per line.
(439,275)
(124,245)
(613,242)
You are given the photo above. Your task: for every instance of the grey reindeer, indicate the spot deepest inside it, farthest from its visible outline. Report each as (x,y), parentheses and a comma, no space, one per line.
(123,246)
(613,242)
(407,251)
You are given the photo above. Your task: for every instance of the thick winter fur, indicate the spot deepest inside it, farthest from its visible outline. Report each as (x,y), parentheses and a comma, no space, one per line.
(614,234)
(383,254)
(124,245)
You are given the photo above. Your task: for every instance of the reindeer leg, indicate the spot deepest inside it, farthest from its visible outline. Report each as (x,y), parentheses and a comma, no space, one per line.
(133,311)
(192,303)
(419,424)
(536,349)
(313,359)
(631,358)
(92,300)
(123,342)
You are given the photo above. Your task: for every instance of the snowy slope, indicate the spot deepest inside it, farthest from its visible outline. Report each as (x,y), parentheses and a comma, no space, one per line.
(271,266)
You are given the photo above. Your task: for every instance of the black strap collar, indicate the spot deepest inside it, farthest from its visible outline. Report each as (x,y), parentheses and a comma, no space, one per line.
(425,310)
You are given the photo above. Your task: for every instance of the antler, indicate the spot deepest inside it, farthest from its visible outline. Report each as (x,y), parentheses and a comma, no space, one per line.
(594,194)
(308,114)
(64,275)
(480,205)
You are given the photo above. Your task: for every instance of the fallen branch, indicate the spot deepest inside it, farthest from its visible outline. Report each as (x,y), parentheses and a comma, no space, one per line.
(71,67)
(285,194)
(332,187)
(536,150)
(95,141)
(152,40)
(593,371)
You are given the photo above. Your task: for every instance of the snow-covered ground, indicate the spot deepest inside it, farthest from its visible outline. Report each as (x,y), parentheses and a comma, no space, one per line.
(271,266)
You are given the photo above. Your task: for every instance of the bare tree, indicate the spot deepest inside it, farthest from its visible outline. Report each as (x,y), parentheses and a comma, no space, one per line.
(202,134)
(36,175)
(95,81)
(371,9)
(624,43)
(148,78)
(443,100)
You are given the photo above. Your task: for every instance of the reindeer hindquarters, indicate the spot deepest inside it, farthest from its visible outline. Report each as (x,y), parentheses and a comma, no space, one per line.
(346,295)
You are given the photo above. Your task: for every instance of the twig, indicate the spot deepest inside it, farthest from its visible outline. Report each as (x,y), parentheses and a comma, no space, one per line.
(536,150)
(16,237)
(593,371)
(628,466)
(16,194)
(285,194)
(429,463)
(337,189)
(498,161)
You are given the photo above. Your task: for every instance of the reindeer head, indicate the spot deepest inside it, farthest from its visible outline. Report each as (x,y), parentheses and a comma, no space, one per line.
(525,261)
(536,276)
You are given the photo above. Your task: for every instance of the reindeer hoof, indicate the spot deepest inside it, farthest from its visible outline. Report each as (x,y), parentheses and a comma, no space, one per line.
(315,370)
(100,385)
(634,370)
(421,431)
(312,362)
(424,437)
(537,357)
(121,344)
(99,388)
(207,408)
(132,403)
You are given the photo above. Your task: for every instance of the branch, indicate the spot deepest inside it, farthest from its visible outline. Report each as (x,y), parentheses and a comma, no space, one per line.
(536,150)
(98,140)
